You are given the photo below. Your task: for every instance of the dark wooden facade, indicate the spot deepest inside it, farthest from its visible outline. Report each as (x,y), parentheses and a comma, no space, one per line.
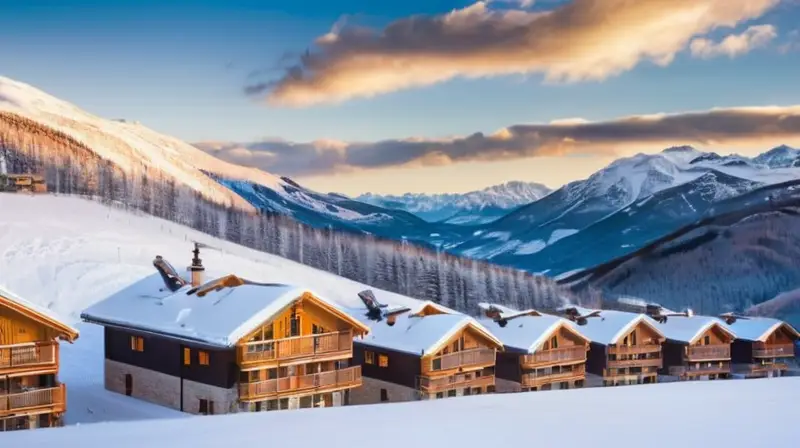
(635,358)
(766,358)
(403,370)
(707,357)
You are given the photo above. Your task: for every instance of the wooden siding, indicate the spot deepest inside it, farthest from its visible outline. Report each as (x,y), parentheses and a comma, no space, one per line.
(468,349)
(166,355)
(298,349)
(403,369)
(52,399)
(29,357)
(507,366)
(18,329)
(314,383)
(433,385)
(537,378)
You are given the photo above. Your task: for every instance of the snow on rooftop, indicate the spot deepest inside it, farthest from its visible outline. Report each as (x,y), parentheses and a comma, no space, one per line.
(7,294)
(687,329)
(756,328)
(527,333)
(612,325)
(604,414)
(219,318)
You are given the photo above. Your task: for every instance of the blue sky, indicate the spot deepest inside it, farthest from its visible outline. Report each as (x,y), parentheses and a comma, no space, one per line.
(180,67)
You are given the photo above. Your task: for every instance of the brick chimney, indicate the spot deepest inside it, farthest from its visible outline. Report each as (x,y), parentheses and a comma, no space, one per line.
(197,268)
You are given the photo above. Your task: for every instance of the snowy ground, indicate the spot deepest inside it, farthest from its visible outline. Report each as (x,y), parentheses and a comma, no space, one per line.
(67,253)
(750,413)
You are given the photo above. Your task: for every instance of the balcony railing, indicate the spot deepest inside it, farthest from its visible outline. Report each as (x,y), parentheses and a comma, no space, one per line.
(316,345)
(534,379)
(702,370)
(633,349)
(14,403)
(557,355)
(621,363)
(441,384)
(28,355)
(708,352)
(349,377)
(756,369)
(773,351)
(465,359)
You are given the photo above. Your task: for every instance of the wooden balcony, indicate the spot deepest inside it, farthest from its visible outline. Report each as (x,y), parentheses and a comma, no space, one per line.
(28,356)
(467,359)
(34,400)
(759,369)
(564,355)
(302,384)
(431,385)
(650,362)
(773,350)
(535,380)
(700,353)
(633,349)
(299,348)
(687,371)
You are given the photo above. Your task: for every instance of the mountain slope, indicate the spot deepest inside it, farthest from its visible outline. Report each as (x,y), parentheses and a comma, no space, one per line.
(724,262)
(475,207)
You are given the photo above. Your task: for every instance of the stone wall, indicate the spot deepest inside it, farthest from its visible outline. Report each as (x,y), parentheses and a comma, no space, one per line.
(370,392)
(148,385)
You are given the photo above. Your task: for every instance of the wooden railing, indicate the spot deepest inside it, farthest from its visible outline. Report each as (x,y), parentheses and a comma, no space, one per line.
(697,353)
(773,350)
(534,379)
(562,355)
(326,344)
(758,368)
(702,370)
(14,403)
(464,359)
(440,384)
(633,349)
(650,362)
(28,355)
(333,379)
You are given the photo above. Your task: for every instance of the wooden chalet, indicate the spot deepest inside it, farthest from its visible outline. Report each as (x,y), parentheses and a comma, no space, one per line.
(228,345)
(431,352)
(30,394)
(541,352)
(762,346)
(696,347)
(625,347)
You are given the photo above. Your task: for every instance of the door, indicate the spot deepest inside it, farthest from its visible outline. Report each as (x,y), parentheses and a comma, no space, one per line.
(128,384)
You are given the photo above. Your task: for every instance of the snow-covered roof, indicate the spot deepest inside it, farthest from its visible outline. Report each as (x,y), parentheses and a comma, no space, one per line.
(528,333)
(689,329)
(419,335)
(219,318)
(612,325)
(43,313)
(757,328)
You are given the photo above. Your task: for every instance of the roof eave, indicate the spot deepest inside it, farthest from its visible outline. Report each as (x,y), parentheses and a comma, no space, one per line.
(113,324)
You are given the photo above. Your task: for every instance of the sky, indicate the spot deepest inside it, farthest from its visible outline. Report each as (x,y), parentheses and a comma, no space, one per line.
(422,96)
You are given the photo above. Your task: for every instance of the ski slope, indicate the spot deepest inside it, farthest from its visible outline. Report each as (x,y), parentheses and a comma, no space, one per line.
(67,253)
(735,413)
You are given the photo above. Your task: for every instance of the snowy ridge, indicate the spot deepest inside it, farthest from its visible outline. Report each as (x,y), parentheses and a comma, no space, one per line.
(528,333)
(688,329)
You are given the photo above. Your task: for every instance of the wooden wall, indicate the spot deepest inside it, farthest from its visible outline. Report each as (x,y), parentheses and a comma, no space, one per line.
(780,336)
(18,329)
(507,366)
(403,367)
(310,314)
(597,358)
(466,339)
(166,356)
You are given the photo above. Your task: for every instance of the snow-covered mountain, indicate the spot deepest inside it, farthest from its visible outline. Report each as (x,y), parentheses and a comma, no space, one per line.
(475,207)
(622,206)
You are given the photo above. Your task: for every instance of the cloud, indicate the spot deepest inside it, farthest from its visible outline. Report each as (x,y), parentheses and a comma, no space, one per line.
(791,44)
(578,41)
(733,45)
(570,137)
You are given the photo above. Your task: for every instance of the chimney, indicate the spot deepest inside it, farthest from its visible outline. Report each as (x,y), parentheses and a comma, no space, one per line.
(197,268)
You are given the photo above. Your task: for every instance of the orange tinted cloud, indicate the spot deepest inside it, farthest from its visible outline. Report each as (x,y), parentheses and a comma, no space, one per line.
(582,40)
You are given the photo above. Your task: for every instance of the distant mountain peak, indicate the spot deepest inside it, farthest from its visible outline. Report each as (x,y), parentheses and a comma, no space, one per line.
(682,148)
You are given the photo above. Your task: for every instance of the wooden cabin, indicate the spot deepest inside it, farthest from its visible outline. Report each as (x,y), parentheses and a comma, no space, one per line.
(541,352)
(762,346)
(697,347)
(30,394)
(625,348)
(229,345)
(30,183)
(429,353)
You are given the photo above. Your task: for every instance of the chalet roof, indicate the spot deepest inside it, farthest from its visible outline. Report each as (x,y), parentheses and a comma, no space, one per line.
(612,325)
(219,318)
(757,328)
(419,335)
(528,333)
(38,313)
(689,329)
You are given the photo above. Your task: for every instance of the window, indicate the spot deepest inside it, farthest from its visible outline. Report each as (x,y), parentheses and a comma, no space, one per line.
(554,342)
(451,393)
(202,358)
(369,357)
(294,326)
(384,395)
(633,337)
(707,340)
(383,361)
(187,356)
(137,343)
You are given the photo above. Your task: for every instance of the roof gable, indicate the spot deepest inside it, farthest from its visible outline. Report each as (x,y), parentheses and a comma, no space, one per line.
(528,333)
(758,329)
(690,329)
(613,325)
(38,314)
